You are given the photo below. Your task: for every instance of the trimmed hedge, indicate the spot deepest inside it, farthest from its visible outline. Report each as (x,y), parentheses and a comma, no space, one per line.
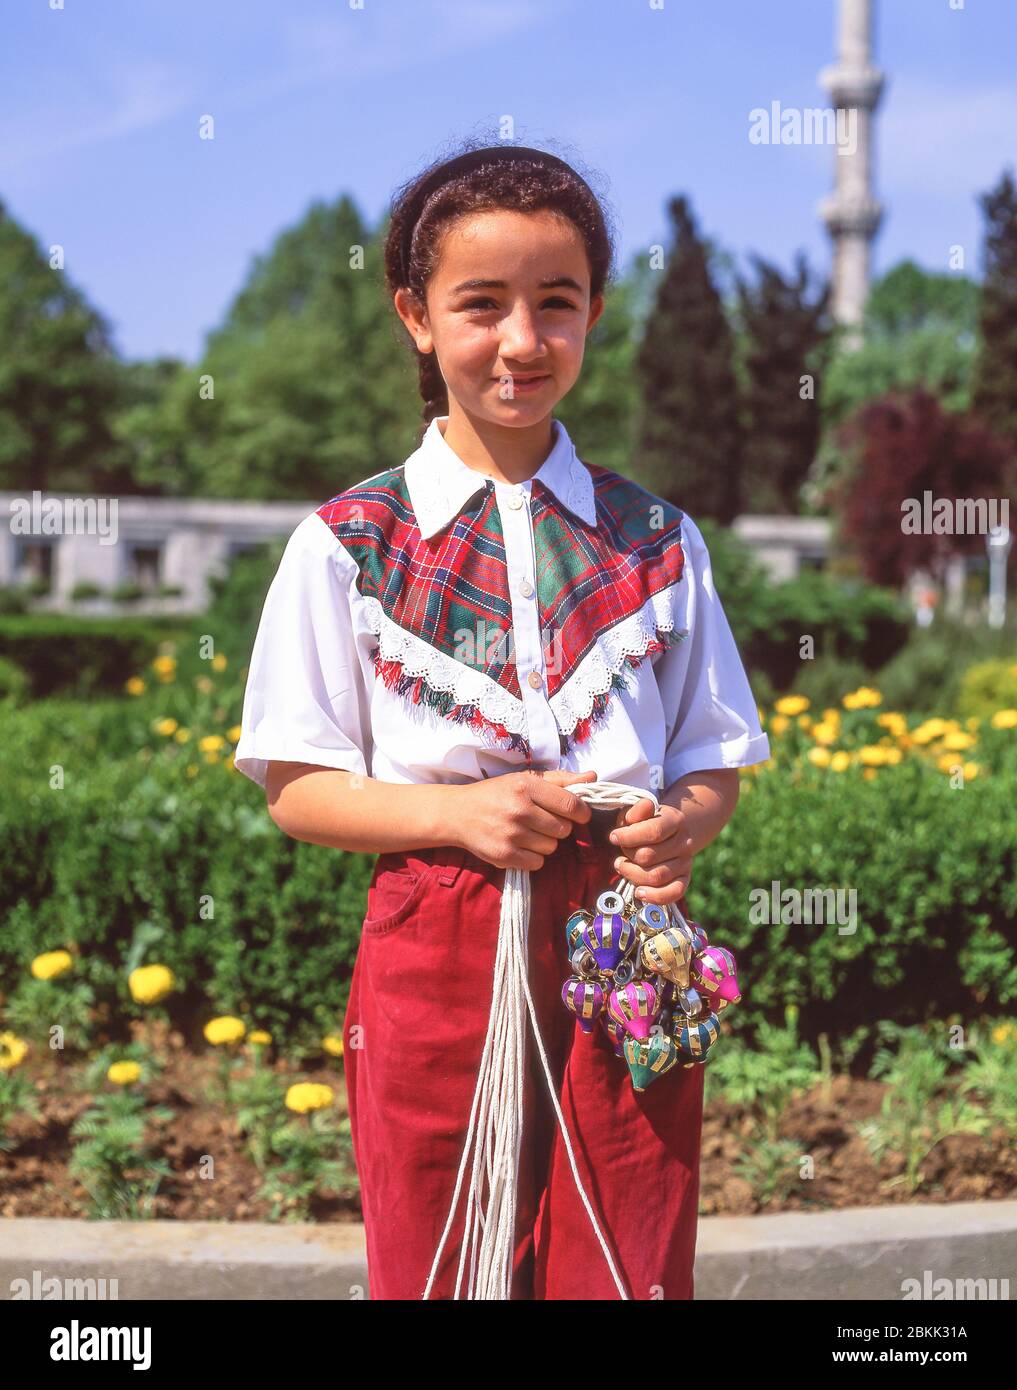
(120,861)
(81,656)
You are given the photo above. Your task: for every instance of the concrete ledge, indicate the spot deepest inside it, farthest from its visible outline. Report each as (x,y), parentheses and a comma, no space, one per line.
(862,1253)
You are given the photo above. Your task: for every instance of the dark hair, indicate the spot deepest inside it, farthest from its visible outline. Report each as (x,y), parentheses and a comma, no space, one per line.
(477,178)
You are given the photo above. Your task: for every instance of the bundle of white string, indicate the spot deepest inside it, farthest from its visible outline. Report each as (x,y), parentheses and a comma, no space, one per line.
(496,1118)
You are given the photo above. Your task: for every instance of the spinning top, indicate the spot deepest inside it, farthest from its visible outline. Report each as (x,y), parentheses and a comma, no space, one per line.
(669,953)
(624,971)
(714,973)
(695,1038)
(574,928)
(582,961)
(584,998)
(652,918)
(699,938)
(689,1001)
(609,936)
(649,1059)
(635,1006)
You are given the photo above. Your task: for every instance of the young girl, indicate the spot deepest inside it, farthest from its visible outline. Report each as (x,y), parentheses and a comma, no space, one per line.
(447,647)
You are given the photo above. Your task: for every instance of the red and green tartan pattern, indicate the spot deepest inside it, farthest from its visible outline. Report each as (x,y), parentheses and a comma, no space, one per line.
(451,591)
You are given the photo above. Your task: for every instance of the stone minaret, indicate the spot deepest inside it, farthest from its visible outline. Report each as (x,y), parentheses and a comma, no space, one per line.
(852,214)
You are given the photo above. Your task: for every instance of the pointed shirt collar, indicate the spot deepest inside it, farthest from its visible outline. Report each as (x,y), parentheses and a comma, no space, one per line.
(440,484)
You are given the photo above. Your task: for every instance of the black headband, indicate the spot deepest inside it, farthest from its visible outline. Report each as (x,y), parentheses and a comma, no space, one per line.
(472,159)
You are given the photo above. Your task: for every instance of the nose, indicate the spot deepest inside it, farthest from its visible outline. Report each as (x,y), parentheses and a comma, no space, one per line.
(520,338)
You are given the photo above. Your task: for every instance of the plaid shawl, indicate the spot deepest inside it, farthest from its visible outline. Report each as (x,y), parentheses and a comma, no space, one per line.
(451,591)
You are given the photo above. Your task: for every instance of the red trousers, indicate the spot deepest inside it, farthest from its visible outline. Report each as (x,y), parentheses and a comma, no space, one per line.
(414,1033)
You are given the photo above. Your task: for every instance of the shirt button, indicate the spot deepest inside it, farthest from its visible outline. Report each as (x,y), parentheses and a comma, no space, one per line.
(535,679)
(526,589)
(514,500)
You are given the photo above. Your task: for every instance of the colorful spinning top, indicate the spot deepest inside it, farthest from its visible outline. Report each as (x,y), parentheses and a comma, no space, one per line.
(650,978)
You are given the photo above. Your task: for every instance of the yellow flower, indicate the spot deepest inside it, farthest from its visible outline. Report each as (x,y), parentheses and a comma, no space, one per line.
(819,756)
(12,1051)
(333,1045)
(1004,1033)
(779,723)
(219,662)
(832,716)
(928,730)
(872,755)
(135,686)
(259,1037)
(893,755)
(825,732)
(308,1095)
(165,667)
(869,773)
(234,734)
(205,684)
(1004,719)
(840,761)
(182,735)
(957,742)
(51,964)
(792,705)
(123,1073)
(947,762)
(211,743)
(165,726)
(226,1029)
(150,983)
(862,698)
(192,769)
(896,724)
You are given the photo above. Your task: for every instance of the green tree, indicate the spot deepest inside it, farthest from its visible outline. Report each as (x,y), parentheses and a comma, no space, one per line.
(919,331)
(303,390)
(598,411)
(996,381)
(687,434)
(784,330)
(59,378)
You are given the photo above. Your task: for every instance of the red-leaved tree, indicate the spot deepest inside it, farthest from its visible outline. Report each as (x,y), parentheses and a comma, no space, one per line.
(903,445)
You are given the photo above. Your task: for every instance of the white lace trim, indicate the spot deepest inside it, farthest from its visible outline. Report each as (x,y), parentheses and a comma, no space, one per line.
(465,684)
(595,673)
(573,702)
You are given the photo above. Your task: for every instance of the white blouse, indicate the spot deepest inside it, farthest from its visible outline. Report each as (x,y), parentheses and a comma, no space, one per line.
(432,624)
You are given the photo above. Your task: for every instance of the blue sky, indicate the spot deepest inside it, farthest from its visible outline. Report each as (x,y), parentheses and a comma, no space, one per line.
(100,104)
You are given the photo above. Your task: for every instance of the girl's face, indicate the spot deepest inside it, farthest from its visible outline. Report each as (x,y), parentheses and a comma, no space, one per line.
(510,299)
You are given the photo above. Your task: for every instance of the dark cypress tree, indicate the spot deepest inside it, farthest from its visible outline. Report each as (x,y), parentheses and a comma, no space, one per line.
(687,435)
(785,332)
(995,395)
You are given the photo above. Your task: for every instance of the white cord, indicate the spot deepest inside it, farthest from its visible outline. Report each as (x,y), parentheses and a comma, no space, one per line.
(497,1110)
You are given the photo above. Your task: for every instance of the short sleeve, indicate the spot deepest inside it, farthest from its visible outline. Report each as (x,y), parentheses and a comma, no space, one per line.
(711,715)
(306,700)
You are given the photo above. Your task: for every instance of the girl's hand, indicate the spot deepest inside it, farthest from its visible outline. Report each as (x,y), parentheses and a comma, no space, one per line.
(516,820)
(655,851)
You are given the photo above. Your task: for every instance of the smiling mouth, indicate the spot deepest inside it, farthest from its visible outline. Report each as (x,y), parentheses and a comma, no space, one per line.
(523,380)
